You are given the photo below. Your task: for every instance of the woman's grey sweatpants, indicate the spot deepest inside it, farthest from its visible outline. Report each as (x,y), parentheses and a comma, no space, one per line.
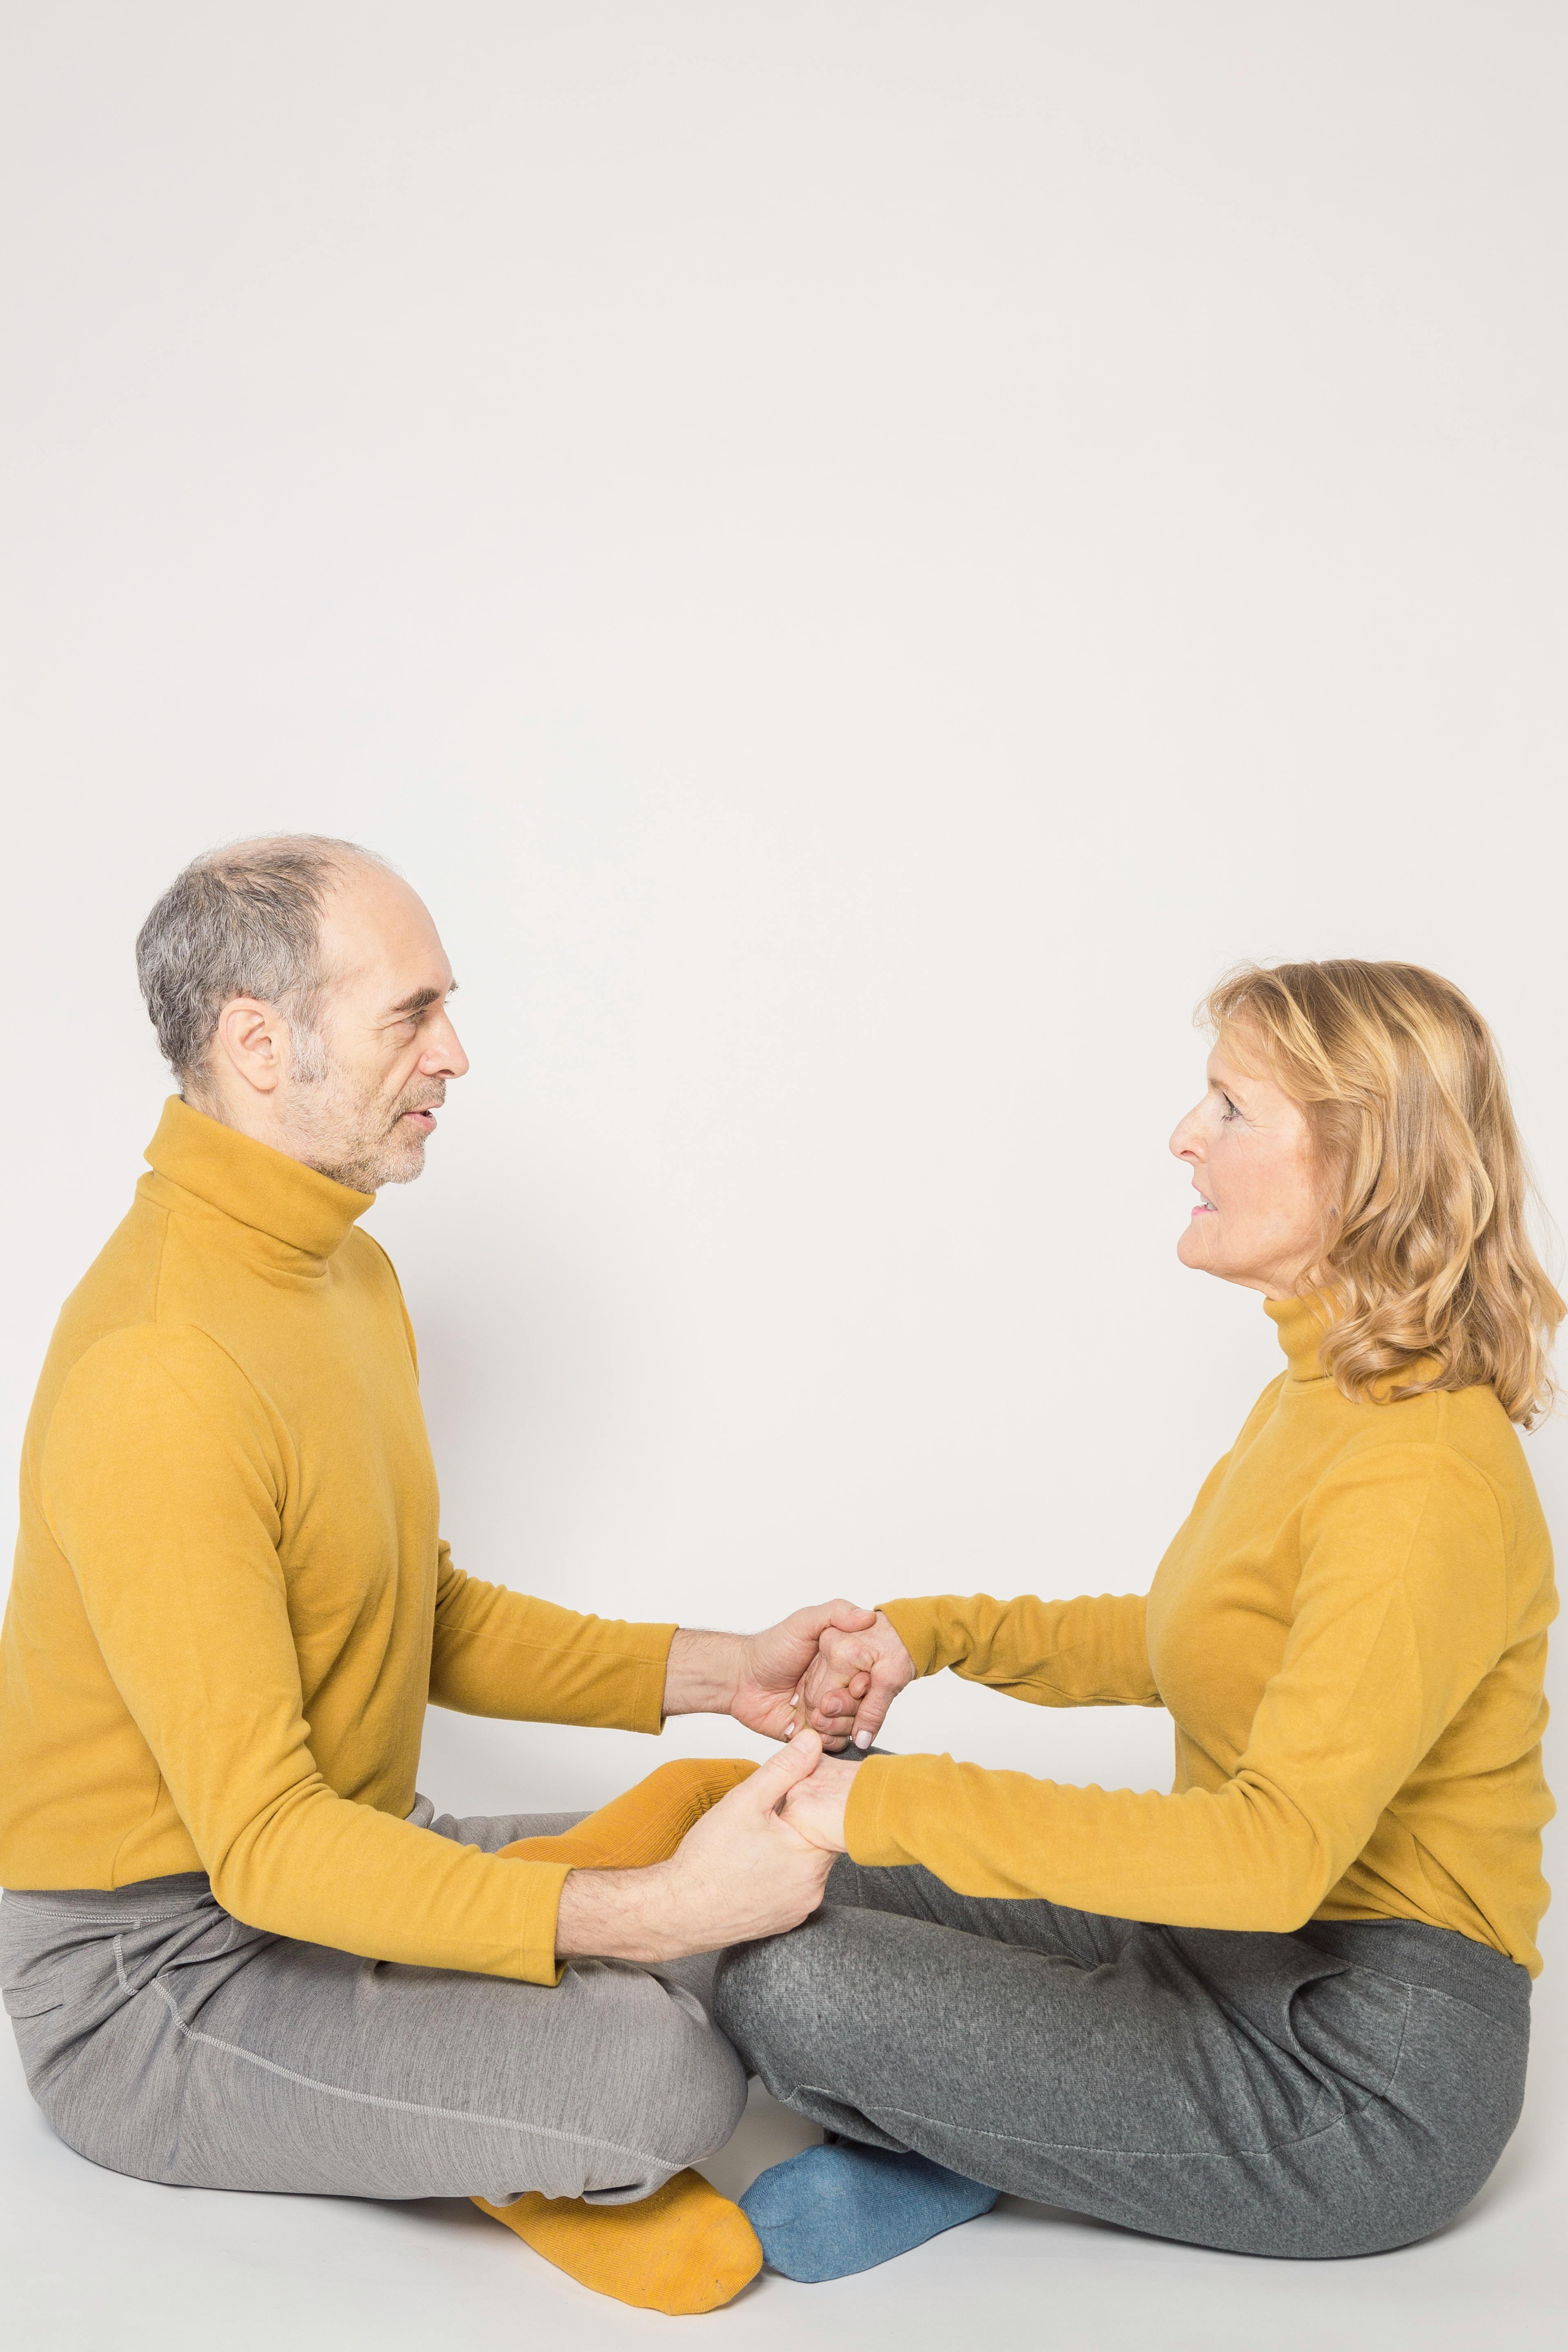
(164,2039)
(1339,2091)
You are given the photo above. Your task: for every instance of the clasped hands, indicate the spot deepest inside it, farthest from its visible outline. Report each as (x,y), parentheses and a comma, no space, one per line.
(848,1667)
(819,1682)
(832,1671)
(843,1696)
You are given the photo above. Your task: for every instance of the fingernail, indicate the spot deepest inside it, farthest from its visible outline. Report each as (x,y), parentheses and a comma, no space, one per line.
(862,1739)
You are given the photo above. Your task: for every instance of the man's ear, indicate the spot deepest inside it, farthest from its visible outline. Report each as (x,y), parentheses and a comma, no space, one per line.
(251,1041)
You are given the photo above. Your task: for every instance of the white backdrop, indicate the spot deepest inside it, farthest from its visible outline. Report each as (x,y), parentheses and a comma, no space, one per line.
(858,552)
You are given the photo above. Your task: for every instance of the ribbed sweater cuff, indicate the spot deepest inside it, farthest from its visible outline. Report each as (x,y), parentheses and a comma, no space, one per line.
(916,1623)
(646,1708)
(868,1841)
(541,1906)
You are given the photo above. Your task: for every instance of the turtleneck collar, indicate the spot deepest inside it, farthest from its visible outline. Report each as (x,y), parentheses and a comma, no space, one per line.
(1300,1325)
(251,1183)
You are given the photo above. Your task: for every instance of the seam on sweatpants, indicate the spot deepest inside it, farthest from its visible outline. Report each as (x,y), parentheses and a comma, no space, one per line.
(1437,1993)
(1393,2074)
(404,2106)
(1076,2148)
(116,1919)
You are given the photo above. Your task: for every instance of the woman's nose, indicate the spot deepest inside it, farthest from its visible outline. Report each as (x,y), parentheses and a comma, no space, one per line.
(1184,1137)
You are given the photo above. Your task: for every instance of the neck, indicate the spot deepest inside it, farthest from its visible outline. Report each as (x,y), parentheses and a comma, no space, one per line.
(265,1120)
(273,1191)
(1281,1282)
(253,1114)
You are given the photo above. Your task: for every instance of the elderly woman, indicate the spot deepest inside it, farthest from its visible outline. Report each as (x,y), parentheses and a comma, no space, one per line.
(1284,2009)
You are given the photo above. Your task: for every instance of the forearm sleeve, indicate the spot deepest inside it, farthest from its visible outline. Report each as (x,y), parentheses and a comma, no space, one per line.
(1091,1652)
(163,1478)
(1398,1614)
(497,1652)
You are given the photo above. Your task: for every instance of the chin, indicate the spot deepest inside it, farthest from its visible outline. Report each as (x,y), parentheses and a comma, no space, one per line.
(1194,1248)
(408,1164)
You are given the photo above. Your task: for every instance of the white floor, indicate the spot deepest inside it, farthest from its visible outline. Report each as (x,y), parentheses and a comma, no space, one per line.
(91,2259)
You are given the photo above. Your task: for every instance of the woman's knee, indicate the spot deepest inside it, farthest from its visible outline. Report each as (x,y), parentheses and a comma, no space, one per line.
(752,1991)
(776,2000)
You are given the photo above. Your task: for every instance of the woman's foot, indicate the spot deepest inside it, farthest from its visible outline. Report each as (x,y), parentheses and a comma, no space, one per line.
(830,2211)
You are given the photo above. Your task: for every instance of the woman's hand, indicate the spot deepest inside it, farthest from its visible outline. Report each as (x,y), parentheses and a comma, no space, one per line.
(743,1871)
(815,1806)
(853,1681)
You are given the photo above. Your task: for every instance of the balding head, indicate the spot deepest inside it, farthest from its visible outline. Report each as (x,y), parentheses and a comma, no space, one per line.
(299,990)
(243,921)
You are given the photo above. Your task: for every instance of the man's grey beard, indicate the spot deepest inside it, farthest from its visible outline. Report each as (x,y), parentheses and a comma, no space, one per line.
(375,1171)
(350,1135)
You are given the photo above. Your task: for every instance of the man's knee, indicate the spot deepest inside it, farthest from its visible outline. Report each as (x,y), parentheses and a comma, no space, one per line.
(676,2064)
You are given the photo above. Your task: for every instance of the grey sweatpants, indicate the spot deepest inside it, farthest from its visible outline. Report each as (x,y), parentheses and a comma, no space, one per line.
(164,2039)
(1339,2091)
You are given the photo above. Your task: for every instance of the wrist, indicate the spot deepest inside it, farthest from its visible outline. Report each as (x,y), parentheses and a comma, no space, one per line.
(616,1915)
(703,1672)
(915,1623)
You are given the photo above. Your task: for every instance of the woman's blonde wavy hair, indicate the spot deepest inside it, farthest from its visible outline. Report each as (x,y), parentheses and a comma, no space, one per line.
(1426,1248)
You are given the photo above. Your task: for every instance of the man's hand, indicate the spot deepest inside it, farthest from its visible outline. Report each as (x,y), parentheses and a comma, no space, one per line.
(754,1677)
(776,1662)
(855,1679)
(743,1872)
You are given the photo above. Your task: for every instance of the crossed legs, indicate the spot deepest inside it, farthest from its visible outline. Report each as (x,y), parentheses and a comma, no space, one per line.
(165,2039)
(1265,2093)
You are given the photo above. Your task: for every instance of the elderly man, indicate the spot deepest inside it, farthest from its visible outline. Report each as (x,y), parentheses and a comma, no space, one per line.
(237,1948)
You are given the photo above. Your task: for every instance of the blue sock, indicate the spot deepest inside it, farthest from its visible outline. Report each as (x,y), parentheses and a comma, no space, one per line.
(830,2211)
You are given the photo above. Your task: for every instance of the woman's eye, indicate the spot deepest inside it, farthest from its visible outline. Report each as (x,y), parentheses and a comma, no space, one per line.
(1230,1108)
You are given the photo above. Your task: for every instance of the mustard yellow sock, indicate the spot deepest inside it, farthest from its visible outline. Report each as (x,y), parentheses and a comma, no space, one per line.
(644,1825)
(683,2250)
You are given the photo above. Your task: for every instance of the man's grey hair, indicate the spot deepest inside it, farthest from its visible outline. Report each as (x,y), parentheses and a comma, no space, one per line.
(243,921)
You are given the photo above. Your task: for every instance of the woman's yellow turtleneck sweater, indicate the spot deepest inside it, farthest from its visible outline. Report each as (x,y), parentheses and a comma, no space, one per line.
(231,1601)
(1350,1631)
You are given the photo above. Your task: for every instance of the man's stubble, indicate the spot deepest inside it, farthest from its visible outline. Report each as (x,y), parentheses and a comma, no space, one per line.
(351,1135)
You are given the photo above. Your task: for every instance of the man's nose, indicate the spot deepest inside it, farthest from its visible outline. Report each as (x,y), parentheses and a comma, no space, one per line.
(444,1057)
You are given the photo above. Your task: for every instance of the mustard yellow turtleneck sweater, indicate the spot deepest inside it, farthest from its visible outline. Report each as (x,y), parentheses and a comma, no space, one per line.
(231,1602)
(1350,1631)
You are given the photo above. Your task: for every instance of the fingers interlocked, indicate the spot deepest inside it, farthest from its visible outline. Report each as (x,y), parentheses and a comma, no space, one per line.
(854,1679)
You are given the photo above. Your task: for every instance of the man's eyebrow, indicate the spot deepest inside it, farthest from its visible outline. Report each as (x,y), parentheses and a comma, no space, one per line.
(423,997)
